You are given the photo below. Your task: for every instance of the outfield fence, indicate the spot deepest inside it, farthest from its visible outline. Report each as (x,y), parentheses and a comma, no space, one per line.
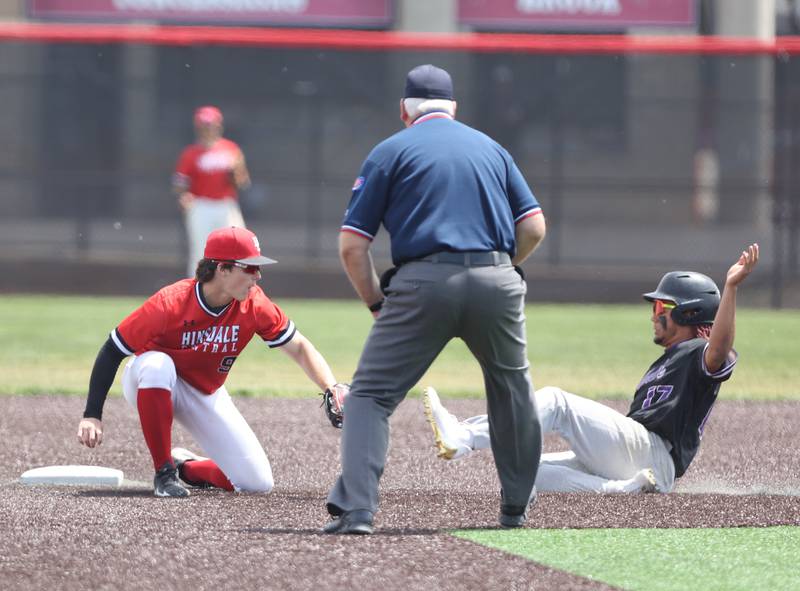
(647,153)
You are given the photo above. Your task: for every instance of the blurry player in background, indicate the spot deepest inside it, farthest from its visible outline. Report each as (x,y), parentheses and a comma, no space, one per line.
(207,179)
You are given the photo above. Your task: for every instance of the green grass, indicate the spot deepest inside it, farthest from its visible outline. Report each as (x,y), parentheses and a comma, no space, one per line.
(48,344)
(661,559)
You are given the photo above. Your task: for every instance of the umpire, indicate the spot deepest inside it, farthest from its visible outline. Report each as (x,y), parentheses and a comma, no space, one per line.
(460,216)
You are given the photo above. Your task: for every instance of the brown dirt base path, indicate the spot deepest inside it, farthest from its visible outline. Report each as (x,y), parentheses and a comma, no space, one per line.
(747,473)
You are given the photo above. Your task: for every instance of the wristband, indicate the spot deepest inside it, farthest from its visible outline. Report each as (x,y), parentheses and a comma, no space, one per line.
(376,306)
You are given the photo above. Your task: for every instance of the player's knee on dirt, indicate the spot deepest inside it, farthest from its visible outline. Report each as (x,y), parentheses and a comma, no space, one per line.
(258,479)
(156,370)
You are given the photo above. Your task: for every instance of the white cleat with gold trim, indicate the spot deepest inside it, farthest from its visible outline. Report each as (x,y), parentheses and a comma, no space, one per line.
(445,427)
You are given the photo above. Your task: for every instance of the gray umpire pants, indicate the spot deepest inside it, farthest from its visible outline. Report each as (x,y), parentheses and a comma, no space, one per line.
(480,300)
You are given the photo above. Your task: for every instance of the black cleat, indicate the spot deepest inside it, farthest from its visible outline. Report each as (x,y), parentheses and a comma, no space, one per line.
(358,522)
(165,483)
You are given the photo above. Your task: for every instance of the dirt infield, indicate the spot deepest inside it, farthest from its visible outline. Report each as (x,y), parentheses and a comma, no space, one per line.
(747,473)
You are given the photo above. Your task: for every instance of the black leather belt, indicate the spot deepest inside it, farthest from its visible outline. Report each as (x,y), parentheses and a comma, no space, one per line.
(469,259)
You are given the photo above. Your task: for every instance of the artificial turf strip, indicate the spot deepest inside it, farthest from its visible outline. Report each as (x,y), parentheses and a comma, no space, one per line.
(661,559)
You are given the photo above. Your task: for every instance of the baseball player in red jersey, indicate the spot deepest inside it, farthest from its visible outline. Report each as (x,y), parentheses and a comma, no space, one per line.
(207,178)
(184,341)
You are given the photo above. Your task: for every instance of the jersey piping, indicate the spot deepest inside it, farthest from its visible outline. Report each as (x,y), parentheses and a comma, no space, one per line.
(358,232)
(284,337)
(120,343)
(725,370)
(206,308)
(528,214)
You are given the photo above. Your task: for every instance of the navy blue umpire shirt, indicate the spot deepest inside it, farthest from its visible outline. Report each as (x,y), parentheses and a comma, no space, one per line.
(440,185)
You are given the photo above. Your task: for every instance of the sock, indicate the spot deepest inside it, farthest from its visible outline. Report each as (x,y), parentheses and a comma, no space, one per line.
(155,415)
(205,471)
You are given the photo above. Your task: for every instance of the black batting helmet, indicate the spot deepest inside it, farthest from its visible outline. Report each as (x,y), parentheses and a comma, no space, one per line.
(696,296)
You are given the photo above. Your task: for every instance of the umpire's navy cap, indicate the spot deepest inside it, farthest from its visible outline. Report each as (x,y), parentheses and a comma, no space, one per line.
(429,82)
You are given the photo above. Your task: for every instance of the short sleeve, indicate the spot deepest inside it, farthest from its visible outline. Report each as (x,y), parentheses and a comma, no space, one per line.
(724,372)
(184,165)
(523,203)
(141,326)
(233,148)
(272,324)
(367,202)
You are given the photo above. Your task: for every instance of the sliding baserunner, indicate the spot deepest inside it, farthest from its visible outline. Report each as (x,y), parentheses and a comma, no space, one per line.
(654,444)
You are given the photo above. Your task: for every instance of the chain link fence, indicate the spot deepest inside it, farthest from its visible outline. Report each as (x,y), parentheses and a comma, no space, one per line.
(642,162)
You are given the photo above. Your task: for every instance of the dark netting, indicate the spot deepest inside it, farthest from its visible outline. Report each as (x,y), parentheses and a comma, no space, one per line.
(639,160)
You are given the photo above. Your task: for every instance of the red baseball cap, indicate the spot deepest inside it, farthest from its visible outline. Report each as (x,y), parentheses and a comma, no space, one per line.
(235,244)
(208,114)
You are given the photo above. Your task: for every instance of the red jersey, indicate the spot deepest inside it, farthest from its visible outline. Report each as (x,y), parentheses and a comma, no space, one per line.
(206,172)
(202,343)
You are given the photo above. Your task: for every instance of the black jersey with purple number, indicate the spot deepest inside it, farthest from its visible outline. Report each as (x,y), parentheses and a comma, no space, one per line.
(675,397)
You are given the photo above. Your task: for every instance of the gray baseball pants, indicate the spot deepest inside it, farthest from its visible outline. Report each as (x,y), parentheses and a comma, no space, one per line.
(427,305)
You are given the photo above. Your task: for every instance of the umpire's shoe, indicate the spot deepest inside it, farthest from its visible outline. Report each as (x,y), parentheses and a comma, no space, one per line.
(512,516)
(358,522)
(166,484)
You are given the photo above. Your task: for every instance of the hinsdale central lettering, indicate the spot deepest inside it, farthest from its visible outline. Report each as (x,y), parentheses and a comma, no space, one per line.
(213,335)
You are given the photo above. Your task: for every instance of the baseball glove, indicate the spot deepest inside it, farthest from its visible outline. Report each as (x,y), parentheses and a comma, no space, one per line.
(333,401)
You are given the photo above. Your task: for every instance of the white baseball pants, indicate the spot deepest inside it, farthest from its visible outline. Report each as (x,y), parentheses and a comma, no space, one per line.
(203,217)
(606,447)
(213,421)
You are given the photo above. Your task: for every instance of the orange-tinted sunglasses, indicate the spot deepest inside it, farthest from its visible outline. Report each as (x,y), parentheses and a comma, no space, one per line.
(249,269)
(661,307)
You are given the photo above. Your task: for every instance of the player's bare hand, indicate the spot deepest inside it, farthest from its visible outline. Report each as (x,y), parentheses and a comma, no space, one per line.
(90,432)
(742,268)
(239,174)
(185,200)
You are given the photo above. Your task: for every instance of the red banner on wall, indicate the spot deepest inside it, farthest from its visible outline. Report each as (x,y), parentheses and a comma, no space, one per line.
(338,13)
(575,14)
